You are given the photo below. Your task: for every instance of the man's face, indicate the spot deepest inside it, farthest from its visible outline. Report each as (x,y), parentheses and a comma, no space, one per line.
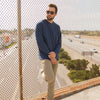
(50,13)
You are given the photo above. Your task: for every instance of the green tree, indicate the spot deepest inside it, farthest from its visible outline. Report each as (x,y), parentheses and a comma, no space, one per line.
(63,61)
(64,55)
(78,75)
(77,64)
(94,71)
(61,50)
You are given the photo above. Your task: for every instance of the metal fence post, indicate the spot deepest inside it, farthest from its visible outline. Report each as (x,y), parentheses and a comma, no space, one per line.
(20,47)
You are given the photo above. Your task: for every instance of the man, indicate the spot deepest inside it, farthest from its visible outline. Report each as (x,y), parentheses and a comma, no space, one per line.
(48,36)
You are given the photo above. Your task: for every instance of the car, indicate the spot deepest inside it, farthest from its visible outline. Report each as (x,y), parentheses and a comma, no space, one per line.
(82,42)
(94,50)
(70,40)
(77,36)
(16,46)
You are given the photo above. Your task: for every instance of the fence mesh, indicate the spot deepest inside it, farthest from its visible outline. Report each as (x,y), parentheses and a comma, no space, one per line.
(9,60)
(32,11)
(9,71)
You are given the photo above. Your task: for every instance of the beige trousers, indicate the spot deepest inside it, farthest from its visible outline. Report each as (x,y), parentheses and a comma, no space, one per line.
(49,74)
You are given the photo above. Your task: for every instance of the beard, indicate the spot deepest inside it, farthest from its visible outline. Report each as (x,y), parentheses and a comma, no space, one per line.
(50,18)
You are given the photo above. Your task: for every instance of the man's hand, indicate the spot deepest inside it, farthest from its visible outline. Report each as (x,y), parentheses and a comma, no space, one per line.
(52,55)
(53,60)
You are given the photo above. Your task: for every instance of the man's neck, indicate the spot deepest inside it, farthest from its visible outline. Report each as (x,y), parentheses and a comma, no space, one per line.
(49,21)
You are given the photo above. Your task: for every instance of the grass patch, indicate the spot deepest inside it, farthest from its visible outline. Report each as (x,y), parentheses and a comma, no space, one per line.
(6,47)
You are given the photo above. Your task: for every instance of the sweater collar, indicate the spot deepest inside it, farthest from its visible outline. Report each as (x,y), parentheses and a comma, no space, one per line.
(48,22)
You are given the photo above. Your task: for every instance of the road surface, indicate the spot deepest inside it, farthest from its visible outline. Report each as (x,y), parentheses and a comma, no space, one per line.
(79,47)
(32,83)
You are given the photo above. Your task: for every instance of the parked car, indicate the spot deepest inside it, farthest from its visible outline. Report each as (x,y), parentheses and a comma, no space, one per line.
(94,50)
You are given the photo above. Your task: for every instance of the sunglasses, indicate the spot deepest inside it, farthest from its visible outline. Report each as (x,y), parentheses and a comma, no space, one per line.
(51,12)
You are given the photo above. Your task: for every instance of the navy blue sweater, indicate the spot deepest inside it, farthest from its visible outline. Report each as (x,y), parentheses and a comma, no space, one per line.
(48,36)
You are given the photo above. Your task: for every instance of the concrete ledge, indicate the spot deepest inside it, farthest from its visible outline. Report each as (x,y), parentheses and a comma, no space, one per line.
(66,91)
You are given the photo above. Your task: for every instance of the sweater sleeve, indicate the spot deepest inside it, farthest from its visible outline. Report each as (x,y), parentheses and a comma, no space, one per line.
(57,49)
(40,41)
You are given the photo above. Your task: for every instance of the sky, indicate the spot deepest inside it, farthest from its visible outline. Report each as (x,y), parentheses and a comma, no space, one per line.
(72,14)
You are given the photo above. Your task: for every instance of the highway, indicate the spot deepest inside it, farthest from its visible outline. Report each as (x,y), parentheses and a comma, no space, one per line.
(32,83)
(92,41)
(75,44)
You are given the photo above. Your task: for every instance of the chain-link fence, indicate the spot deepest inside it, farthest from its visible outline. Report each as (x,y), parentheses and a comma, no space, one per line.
(32,11)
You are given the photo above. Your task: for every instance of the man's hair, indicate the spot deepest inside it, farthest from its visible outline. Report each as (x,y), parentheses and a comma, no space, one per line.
(53,5)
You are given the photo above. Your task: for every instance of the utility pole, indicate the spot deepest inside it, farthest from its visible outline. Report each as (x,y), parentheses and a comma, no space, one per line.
(20,47)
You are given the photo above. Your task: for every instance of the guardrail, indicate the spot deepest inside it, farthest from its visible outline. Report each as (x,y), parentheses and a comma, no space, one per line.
(66,91)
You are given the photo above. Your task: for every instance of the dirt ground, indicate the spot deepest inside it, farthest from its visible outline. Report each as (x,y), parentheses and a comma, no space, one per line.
(91,37)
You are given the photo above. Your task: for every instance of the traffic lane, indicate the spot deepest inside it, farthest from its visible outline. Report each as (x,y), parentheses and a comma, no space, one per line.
(8,75)
(11,82)
(32,85)
(80,46)
(72,45)
(37,87)
(95,42)
(7,87)
(63,79)
(83,47)
(30,82)
(7,64)
(9,61)
(28,69)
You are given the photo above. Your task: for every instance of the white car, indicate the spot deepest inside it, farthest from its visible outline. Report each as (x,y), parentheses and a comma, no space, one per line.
(94,50)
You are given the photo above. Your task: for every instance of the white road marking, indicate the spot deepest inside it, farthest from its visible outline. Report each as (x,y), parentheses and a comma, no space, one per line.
(25,62)
(38,77)
(41,79)
(58,83)
(39,73)
(16,89)
(17,86)
(6,75)
(13,64)
(8,52)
